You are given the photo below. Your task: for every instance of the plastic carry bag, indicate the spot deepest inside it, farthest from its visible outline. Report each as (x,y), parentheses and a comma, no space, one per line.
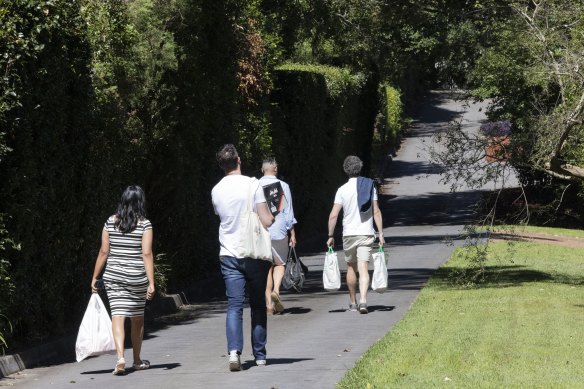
(331,275)
(95,335)
(379,282)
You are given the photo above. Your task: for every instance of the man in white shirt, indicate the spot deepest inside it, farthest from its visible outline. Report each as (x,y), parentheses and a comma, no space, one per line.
(230,199)
(358,200)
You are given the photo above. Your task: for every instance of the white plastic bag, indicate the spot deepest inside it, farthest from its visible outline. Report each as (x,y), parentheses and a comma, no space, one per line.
(95,335)
(379,282)
(331,275)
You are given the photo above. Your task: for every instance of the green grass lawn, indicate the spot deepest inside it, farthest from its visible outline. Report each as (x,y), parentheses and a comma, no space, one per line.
(542,230)
(522,328)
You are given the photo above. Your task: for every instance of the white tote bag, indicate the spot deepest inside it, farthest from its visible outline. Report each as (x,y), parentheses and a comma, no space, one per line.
(379,282)
(95,333)
(331,275)
(255,241)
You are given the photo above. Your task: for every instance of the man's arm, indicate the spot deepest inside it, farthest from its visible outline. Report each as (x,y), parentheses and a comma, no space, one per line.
(332,222)
(292,237)
(265,215)
(378,221)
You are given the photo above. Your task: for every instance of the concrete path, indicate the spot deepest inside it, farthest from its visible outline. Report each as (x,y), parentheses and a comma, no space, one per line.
(315,342)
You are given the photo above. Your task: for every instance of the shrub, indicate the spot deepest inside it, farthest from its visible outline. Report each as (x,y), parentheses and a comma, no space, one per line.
(338,80)
(393,113)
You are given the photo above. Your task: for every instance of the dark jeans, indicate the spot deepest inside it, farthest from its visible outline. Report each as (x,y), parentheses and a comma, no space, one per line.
(237,274)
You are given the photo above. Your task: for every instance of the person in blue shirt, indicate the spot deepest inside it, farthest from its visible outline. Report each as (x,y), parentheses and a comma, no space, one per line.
(282,232)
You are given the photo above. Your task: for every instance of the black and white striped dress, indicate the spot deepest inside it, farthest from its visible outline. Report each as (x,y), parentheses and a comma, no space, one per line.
(125,276)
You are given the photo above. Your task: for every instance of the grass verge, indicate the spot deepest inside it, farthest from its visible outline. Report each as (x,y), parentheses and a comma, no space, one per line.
(542,230)
(522,327)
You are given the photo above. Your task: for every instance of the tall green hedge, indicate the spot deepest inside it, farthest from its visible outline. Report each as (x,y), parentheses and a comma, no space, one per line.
(320,115)
(45,190)
(99,94)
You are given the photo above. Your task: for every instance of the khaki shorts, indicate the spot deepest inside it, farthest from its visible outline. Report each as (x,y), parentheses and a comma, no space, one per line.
(358,247)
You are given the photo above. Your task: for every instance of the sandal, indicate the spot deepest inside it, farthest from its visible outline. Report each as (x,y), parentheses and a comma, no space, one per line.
(278,306)
(143,365)
(120,367)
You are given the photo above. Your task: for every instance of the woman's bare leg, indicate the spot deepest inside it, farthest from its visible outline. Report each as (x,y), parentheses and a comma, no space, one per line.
(269,288)
(137,336)
(278,271)
(119,334)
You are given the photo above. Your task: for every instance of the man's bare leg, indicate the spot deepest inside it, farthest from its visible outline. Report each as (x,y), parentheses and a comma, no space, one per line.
(363,281)
(352,281)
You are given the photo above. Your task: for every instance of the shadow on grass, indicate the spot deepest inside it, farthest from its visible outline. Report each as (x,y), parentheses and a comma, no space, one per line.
(500,277)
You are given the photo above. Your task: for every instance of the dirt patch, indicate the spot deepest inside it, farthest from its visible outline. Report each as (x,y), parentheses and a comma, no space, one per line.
(557,240)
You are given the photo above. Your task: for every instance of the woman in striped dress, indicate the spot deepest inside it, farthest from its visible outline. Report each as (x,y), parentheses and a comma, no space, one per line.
(126,253)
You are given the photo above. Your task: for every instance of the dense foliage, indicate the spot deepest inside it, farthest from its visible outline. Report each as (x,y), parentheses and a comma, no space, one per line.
(527,62)
(531,72)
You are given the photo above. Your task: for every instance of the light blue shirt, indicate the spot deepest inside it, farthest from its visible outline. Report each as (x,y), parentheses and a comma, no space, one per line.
(285,220)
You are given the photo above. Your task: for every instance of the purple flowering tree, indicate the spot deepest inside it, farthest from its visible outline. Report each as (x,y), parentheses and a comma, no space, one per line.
(496,129)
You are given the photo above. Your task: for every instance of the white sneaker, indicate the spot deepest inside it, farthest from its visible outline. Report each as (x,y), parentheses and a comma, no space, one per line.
(234,361)
(261,362)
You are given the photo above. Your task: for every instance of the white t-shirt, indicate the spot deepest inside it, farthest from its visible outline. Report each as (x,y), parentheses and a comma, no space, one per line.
(354,222)
(229,198)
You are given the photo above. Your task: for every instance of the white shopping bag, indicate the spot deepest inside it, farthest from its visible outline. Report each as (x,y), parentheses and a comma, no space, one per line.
(331,275)
(379,282)
(95,332)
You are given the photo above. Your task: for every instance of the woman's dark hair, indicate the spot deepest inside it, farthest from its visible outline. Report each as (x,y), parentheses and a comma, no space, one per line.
(131,209)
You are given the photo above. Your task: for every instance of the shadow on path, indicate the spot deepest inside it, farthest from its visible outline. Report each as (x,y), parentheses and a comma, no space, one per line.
(436,209)
(129,370)
(275,361)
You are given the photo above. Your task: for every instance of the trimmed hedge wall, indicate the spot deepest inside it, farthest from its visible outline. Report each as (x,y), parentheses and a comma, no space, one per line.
(320,115)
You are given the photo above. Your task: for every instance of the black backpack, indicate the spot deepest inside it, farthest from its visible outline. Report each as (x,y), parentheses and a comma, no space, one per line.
(294,275)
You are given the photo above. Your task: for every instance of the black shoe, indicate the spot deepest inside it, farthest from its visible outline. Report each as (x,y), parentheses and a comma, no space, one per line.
(363,308)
